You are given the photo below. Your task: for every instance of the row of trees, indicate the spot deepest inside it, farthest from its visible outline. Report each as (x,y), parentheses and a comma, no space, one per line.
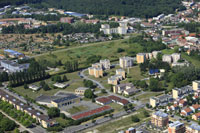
(65,28)
(6,124)
(71,66)
(34,73)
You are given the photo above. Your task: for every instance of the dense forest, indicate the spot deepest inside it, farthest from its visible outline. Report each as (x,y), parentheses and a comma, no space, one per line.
(137,8)
(18,2)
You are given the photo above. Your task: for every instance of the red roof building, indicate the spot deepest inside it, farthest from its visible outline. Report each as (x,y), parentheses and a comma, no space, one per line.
(91,112)
(103,100)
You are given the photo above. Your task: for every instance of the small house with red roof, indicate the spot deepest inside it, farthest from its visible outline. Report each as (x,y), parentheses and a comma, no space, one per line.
(186,112)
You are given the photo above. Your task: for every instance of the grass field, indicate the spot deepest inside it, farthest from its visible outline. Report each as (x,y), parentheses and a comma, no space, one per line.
(194,61)
(123,123)
(135,73)
(76,109)
(72,77)
(103,49)
(145,97)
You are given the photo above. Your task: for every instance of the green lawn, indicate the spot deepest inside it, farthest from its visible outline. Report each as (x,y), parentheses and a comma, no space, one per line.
(62,121)
(76,109)
(135,73)
(104,49)
(121,124)
(78,82)
(194,61)
(145,97)
(168,51)
(116,107)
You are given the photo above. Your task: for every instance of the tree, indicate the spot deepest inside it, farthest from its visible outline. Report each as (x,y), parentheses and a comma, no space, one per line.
(65,78)
(154,85)
(88,83)
(119,50)
(46,87)
(42,83)
(146,114)
(89,94)
(53,112)
(135,119)
(25,86)
(7,124)
(103,91)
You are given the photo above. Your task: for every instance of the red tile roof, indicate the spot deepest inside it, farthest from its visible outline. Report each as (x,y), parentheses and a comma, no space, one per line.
(91,112)
(195,106)
(118,99)
(197,114)
(103,100)
(188,110)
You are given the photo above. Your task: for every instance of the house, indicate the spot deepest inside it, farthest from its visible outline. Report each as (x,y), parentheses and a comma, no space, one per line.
(34,87)
(153,71)
(60,85)
(121,87)
(195,107)
(91,112)
(172,107)
(186,112)
(80,90)
(103,100)
(182,103)
(118,100)
(196,116)
(67,20)
(130,91)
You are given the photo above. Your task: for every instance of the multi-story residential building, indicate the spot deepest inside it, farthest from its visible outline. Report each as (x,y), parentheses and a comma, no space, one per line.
(105,64)
(176,57)
(167,58)
(97,72)
(19,105)
(159,119)
(196,85)
(121,72)
(14,66)
(141,57)
(176,127)
(121,87)
(155,54)
(126,62)
(114,80)
(122,29)
(180,92)
(160,100)
(194,128)
(80,90)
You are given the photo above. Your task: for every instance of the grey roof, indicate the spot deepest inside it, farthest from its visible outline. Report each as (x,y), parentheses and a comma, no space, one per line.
(195,126)
(45,98)
(61,99)
(160,114)
(82,88)
(176,124)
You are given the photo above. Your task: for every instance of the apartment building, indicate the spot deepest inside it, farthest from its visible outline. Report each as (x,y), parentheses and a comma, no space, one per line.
(194,128)
(121,72)
(67,20)
(167,58)
(180,92)
(19,105)
(160,100)
(176,127)
(96,72)
(114,80)
(159,119)
(121,87)
(122,29)
(196,85)
(105,64)
(176,57)
(141,57)
(126,62)
(12,66)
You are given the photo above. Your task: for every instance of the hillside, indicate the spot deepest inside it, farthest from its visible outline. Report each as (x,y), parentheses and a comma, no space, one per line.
(136,8)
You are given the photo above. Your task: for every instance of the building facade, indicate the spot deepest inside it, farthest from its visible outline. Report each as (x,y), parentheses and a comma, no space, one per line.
(159,119)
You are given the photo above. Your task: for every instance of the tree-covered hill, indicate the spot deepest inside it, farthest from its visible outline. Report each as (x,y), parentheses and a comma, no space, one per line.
(137,8)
